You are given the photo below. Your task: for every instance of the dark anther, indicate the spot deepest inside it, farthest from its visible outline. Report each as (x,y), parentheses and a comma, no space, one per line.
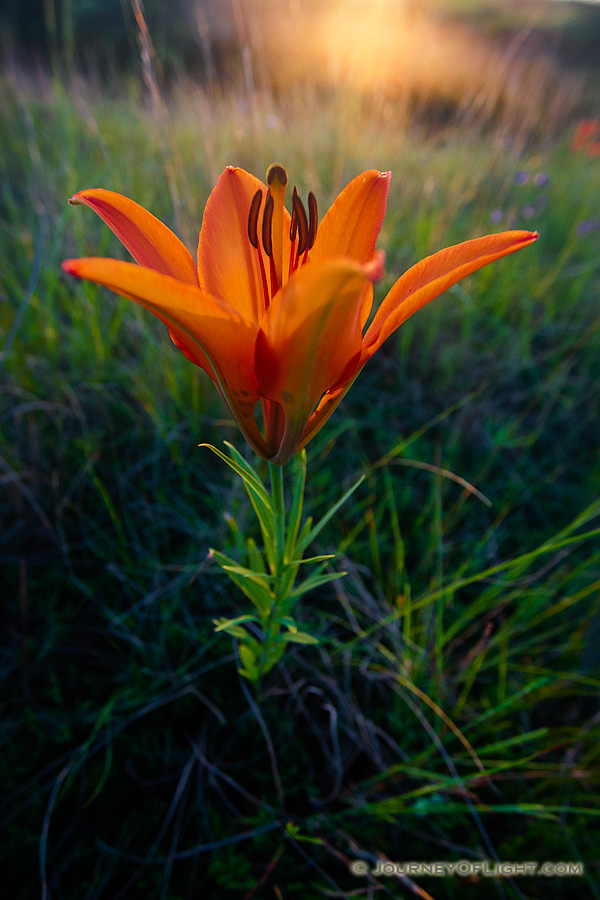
(293,223)
(267,222)
(253,219)
(301,222)
(314,219)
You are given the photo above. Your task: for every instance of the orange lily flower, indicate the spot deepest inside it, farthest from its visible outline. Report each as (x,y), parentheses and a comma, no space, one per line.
(275,309)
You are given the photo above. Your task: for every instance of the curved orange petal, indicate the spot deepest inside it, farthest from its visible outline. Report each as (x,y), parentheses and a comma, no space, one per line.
(210,329)
(228,264)
(149,241)
(351,225)
(435,274)
(327,405)
(309,336)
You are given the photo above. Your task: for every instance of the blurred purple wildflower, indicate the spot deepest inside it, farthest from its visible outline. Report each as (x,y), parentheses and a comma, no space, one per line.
(587,226)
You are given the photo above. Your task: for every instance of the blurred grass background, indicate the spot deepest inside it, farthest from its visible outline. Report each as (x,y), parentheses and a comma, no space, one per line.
(451,711)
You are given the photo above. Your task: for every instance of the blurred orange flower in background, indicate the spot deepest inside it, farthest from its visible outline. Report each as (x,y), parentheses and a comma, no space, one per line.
(275,309)
(586,137)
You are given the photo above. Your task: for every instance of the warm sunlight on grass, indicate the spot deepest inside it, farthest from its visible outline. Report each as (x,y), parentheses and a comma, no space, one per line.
(413,60)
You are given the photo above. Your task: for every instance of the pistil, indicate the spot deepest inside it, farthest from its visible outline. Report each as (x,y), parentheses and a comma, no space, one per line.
(277,180)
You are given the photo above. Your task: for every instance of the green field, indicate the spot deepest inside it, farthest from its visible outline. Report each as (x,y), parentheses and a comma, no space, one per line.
(450,711)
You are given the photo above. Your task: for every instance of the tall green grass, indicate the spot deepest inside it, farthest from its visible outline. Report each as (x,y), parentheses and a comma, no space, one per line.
(450,711)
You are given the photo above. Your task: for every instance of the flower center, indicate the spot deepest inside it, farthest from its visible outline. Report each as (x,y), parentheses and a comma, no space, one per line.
(303,230)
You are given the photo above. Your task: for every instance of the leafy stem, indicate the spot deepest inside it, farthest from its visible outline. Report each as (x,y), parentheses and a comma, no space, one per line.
(268,575)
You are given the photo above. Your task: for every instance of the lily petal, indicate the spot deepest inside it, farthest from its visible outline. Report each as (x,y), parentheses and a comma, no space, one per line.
(352,224)
(149,241)
(228,264)
(435,274)
(327,405)
(216,336)
(309,337)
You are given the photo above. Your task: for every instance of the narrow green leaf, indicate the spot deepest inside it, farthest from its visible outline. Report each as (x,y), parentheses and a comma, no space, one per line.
(238,537)
(294,832)
(304,531)
(242,468)
(290,573)
(511,742)
(311,583)
(299,637)
(311,559)
(221,624)
(258,593)
(287,622)
(263,507)
(278,501)
(248,657)
(508,703)
(288,578)
(235,631)
(248,573)
(274,654)
(258,494)
(250,675)
(255,557)
(303,544)
(295,515)
(230,565)
(266,520)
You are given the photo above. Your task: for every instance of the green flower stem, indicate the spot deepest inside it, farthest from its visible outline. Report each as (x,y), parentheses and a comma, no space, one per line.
(268,577)
(276,473)
(270,626)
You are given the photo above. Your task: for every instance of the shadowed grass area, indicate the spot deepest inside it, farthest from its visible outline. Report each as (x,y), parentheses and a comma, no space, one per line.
(450,711)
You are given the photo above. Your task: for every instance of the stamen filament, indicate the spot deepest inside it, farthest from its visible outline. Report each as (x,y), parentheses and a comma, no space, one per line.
(294,220)
(274,282)
(291,266)
(302,224)
(303,230)
(263,275)
(314,219)
(253,238)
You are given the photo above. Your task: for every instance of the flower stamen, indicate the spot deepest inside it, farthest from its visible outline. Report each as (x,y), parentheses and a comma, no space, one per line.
(293,222)
(313,214)
(293,232)
(253,238)
(301,221)
(303,230)
(267,236)
(253,219)
(268,224)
